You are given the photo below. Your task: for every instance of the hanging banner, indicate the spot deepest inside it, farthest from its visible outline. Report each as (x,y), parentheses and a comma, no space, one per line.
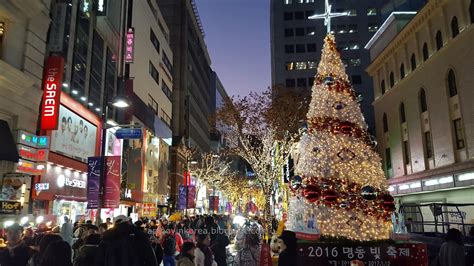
(93,182)
(265,255)
(182,197)
(211,203)
(191,197)
(53,74)
(129,46)
(112,182)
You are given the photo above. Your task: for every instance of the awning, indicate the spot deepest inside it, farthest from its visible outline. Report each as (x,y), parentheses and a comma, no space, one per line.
(8,151)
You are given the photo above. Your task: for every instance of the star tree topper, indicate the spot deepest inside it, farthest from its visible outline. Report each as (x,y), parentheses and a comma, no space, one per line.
(328,15)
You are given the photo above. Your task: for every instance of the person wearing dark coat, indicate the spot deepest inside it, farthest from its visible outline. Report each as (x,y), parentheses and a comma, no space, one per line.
(125,245)
(219,240)
(451,252)
(87,253)
(17,253)
(289,253)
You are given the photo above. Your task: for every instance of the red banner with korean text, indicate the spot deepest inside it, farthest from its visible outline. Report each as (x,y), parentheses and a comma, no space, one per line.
(112,182)
(265,255)
(392,254)
(191,197)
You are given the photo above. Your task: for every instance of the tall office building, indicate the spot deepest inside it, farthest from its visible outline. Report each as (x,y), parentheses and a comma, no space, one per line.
(296,43)
(191,96)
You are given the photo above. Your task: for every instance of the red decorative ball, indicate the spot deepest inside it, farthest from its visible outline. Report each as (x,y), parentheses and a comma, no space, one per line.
(388,202)
(345,127)
(312,192)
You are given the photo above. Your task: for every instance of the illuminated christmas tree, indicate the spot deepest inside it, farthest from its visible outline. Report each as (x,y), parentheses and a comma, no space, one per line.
(340,173)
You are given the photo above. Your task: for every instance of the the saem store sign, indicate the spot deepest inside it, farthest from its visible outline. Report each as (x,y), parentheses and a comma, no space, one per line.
(52,79)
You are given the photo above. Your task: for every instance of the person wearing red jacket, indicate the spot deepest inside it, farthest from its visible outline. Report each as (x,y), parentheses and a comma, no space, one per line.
(171,242)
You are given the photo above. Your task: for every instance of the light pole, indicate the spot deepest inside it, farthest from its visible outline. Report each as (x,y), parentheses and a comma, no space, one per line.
(119,102)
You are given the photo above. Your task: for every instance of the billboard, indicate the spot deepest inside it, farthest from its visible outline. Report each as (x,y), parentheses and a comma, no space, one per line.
(75,138)
(53,74)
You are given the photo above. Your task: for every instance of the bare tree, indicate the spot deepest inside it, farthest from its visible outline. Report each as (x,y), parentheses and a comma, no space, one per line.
(261,128)
(211,169)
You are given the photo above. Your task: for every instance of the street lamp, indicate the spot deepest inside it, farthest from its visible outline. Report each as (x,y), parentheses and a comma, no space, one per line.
(119,102)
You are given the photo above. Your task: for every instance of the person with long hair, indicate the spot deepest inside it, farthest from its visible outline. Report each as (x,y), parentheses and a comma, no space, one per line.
(249,255)
(203,254)
(451,252)
(186,258)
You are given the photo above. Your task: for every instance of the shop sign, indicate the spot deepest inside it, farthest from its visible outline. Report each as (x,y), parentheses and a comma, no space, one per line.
(31,140)
(130,38)
(101,8)
(31,168)
(129,133)
(9,206)
(41,186)
(32,154)
(182,197)
(93,180)
(75,183)
(382,254)
(52,79)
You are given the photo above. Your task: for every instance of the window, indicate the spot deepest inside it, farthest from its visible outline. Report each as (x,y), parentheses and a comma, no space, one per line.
(406,151)
(288,2)
(153,72)
(341,29)
(382,87)
(471,11)
(392,80)
(402,114)
(423,105)
(356,79)
(352,12)
(458,134)
(425,52)
(310,31)
(288,16)
(402,71)
(352,28)
(311,81)
(299,15)
(167,63)
(354,46)
(371,12)
(413,62)
(312,64)
(439,40)
(96,73)
(154,41)
(343,46)
(300,1)
(300,48)
(290,83)
(153,104)
(289,32)
(372,27)
(299,31)
(354,62)
(300,65)
(428,145)
(309,1)
(290,66)
(385,123)
(301,82)
(311,47)
(454,27)
(166,90)
(289,48)
(388,159)
(452,86)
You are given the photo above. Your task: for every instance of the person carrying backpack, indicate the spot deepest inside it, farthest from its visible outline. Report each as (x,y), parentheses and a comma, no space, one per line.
(171,243)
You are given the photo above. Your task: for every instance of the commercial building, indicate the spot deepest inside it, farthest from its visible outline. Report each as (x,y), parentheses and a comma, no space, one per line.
(296,42)
(23,35)
(191,95)
(422,76)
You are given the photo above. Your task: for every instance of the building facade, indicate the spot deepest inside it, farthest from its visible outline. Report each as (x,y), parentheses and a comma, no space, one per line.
(422,78)
(296,43)
(23,35)
(191,95)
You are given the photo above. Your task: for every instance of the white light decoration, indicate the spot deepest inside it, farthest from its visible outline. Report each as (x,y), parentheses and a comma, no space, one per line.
(24,220)
(8,223)
(39,219)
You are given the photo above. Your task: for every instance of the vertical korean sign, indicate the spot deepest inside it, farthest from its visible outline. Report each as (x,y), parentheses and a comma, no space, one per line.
(191,197)
(52,79)
(93,181)
(112,182)
(129,46)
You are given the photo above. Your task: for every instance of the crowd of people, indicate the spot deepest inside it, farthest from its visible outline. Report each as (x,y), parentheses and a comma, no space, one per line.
(198,240)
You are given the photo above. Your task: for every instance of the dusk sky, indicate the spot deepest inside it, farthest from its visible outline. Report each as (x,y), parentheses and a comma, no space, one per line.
(238,41)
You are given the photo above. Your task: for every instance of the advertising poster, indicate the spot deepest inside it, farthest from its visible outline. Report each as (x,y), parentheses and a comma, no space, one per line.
(93,181)
(135,165)
(11,187)
(112,182)
(75,138)
(191,197)
(181,197)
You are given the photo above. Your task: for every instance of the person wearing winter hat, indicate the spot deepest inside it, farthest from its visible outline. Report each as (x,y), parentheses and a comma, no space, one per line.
(288,254)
